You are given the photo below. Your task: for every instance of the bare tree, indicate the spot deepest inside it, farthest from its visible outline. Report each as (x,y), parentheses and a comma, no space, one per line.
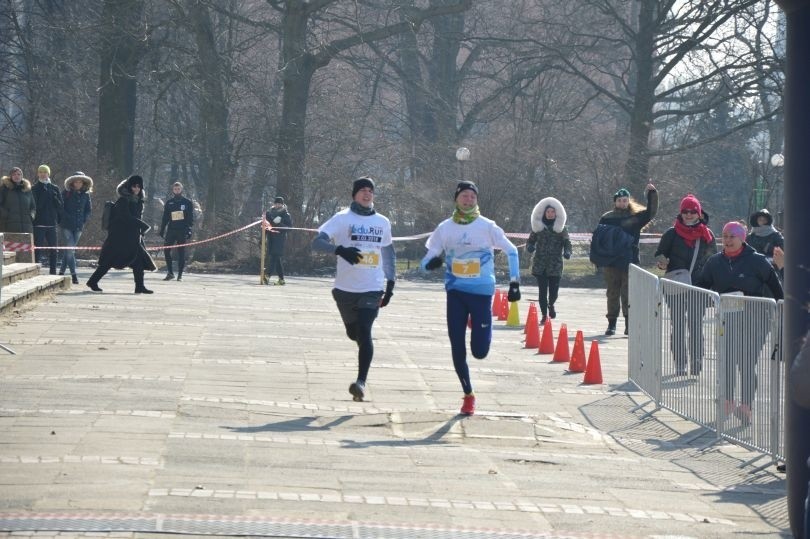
(122,46)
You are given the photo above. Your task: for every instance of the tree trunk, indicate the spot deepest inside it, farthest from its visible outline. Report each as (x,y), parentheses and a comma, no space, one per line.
(121,51)
(299,67)
(637,165)
(214,136)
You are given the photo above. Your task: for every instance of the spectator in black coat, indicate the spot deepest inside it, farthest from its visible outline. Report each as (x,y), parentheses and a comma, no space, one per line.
(684,249)
(175,228)
(124,244)
(763,236)
(278,217)
(17,208)
(75,213)
(48,200)
(739,269)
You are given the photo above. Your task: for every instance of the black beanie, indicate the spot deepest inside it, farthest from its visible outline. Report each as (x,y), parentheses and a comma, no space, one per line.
(463,186)
(360,183)
(280,200)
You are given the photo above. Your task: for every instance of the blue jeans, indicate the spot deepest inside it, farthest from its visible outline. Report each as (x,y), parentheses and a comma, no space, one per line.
(71,238)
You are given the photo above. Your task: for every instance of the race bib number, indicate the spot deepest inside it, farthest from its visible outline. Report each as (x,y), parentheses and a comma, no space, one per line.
(369,260)
(466,269)
(178,216)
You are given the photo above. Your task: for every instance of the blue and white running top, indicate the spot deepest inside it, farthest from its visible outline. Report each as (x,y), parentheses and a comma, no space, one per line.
(469,256)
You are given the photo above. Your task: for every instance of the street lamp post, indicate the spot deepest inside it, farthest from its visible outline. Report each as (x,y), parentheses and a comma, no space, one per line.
(777,162)
(462,154)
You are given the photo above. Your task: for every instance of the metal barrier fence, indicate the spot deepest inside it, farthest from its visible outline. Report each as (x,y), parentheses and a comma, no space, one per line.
(712,359)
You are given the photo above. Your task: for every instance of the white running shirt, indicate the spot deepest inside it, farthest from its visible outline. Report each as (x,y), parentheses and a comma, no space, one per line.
(369,233)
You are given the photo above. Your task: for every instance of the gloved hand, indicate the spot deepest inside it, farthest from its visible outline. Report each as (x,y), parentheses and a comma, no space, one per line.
(514,292)
(277,219)
(567,255)
(349,254)
(530,247)
(389,291)
(434,263)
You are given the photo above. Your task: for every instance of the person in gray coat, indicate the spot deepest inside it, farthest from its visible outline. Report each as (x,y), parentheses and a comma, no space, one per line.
(550,244)
(17,207)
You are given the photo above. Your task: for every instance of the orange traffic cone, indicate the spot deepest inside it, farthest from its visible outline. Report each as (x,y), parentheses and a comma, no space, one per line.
(532,331)
(531,318)
(561,352)
(578,354)
(503,314)
(547,342)
(593,373)
(496,304)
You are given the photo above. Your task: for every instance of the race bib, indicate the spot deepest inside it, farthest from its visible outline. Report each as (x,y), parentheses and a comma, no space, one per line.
(466,269)
(369,260)
(178,216)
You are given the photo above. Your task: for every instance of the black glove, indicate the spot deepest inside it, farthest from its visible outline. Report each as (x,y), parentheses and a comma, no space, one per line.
(349,254)
(530,247)
(434,263)
(514,292)
(389,291)
(567,255)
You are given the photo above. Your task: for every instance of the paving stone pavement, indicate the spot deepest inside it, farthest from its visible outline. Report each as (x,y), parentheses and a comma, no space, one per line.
(219,406)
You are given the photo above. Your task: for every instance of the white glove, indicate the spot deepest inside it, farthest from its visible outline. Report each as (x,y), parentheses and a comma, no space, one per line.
(277,220)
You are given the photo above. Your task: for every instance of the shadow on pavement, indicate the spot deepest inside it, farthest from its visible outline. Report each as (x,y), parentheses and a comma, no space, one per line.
(731,479)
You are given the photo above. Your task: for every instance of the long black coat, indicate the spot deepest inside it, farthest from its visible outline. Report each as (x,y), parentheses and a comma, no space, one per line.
(124,244)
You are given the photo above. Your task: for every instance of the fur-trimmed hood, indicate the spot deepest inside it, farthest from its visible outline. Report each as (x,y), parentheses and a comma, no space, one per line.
(124,187)
(761,213)
(540,209)
(87,182)
(9,184)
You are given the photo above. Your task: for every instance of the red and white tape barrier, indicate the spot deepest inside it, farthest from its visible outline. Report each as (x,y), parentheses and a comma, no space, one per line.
(22,247)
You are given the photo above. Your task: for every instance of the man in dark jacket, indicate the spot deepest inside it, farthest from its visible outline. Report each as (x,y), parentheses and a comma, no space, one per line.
(48,201)
(277,216)
(178,217)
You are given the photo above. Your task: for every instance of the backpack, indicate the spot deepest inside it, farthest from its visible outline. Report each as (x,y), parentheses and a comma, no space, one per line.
(107,214)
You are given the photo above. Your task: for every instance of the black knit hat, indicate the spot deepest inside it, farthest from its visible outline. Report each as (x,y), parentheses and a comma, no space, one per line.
(361,183)
(279,200)
(464,185)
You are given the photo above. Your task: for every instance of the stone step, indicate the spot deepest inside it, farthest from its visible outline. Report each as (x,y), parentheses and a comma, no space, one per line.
(17,271)
(8,257)
(31,288)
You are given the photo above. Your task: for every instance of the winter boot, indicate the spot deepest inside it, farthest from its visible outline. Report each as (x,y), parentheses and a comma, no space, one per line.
(611,330)
(139,286)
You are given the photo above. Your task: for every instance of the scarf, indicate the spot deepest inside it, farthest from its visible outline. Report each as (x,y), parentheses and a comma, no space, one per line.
(734,254)
(692,233)
(465,217)
(549,223)
(763,231)
(362,210)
